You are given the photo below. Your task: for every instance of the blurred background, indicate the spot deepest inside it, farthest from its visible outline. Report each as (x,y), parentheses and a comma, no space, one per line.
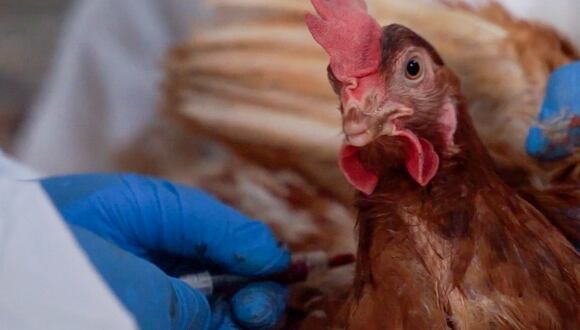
(211,92)
(29,34)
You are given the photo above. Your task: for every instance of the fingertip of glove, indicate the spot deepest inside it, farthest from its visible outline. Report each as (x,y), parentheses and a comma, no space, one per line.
(261,253)
(190,308)
(536,142)
(260,305)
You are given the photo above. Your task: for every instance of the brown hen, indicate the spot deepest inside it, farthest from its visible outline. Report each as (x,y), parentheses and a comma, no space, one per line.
(443,241)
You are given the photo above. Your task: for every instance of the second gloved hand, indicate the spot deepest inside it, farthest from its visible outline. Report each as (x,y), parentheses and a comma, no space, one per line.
(139,232)
(557,132)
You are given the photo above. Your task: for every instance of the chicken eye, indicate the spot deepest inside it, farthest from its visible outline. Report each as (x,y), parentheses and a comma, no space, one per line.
(413,69)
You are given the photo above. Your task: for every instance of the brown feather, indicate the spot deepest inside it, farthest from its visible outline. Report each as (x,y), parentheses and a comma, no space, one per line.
(560,204)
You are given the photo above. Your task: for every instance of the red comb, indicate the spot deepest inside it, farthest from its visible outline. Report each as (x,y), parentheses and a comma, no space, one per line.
(349,35)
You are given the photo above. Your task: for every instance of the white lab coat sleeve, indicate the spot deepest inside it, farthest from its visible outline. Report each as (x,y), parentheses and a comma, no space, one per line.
(46,281)
(105,82)
(9,168)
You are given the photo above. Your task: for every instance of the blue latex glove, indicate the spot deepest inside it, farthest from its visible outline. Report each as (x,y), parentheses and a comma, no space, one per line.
(137,231)
(557,133)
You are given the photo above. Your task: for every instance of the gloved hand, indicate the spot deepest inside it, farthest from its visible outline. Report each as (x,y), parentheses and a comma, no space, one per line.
(557,133)
(139,232)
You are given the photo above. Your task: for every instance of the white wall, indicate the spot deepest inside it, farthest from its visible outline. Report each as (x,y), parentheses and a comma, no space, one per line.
(564,15)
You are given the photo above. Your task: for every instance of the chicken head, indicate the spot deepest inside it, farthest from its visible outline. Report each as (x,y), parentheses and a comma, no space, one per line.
(394,91)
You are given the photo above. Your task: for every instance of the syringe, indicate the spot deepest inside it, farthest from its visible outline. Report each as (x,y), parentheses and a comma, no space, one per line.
(302,265)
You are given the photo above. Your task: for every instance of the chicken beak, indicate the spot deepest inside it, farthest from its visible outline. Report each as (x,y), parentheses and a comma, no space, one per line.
(363,124)
(367,111)
(359,100)
(357,126)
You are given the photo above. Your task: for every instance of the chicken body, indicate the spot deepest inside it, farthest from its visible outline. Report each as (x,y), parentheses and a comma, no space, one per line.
(466,252)
(443,241)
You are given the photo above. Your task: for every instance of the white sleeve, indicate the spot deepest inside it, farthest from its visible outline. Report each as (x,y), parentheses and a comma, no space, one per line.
(105,83)
(46,281)
(11,169)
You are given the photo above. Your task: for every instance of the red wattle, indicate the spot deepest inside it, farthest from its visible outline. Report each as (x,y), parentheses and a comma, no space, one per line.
(354,171)
(421,159)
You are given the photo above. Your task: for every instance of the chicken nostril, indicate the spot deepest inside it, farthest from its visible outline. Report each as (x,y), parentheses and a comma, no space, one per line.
(352,110)
(355,113)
